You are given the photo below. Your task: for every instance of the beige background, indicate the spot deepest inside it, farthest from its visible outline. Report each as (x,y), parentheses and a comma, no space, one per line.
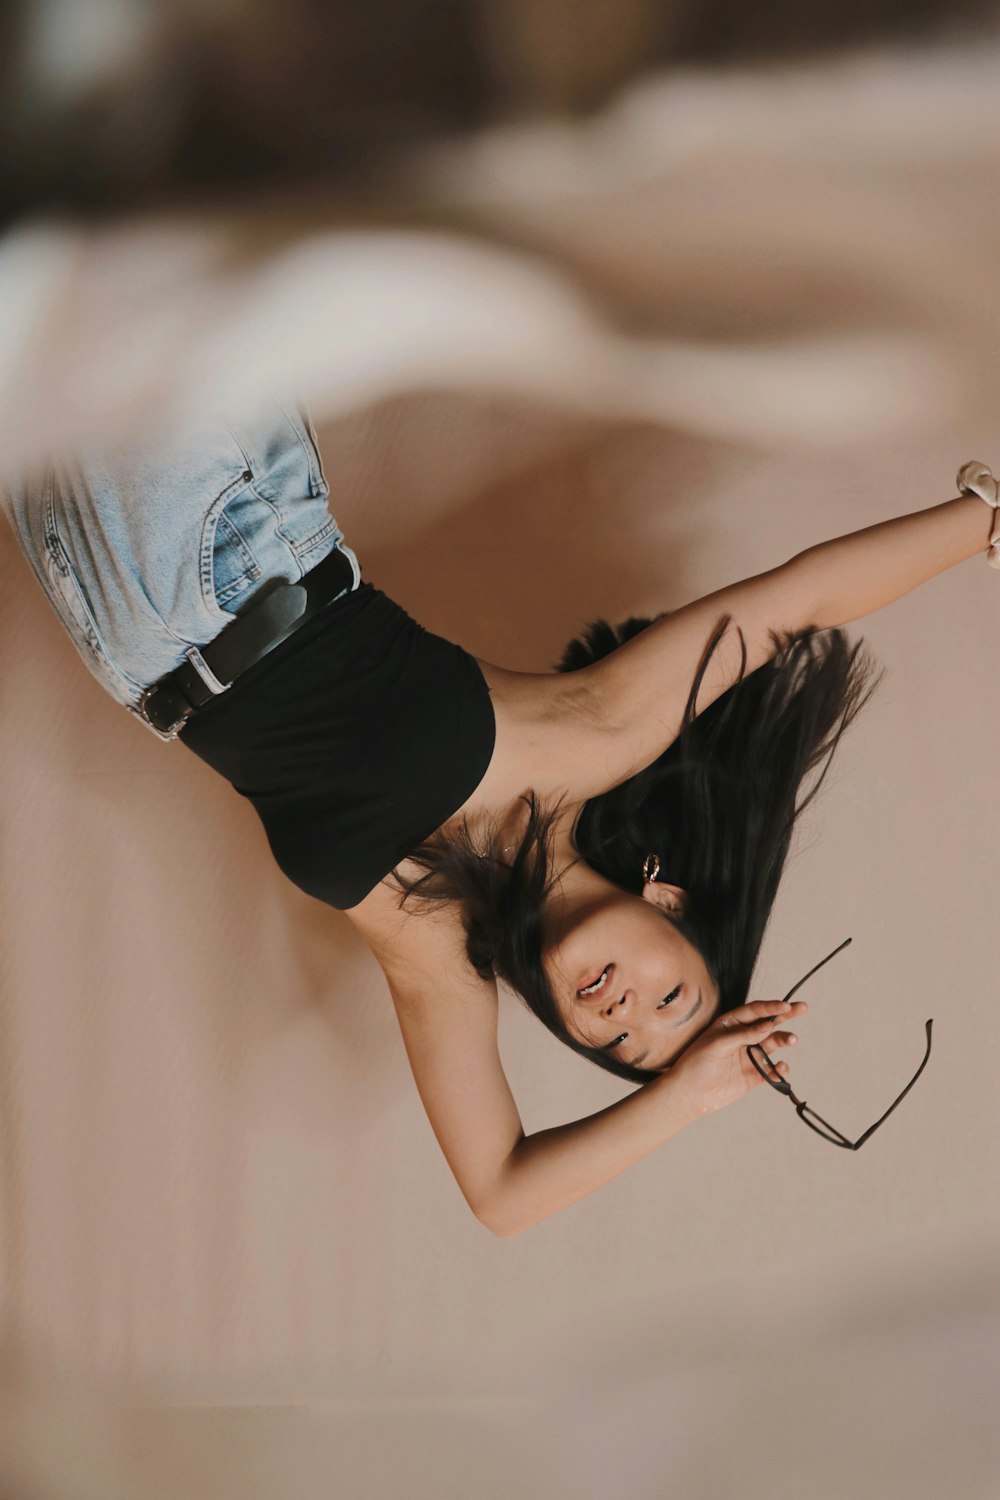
(233,1259)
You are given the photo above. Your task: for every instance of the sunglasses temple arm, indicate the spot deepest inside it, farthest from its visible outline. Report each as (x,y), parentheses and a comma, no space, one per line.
(861,1140)
(812,971)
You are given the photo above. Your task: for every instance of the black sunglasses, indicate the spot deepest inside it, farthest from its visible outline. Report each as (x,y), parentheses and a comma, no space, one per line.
(809,1116)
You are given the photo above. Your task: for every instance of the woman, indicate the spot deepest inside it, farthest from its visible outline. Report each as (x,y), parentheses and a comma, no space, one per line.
(607,838)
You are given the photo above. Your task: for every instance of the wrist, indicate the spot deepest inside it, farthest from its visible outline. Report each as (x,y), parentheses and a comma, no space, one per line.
(675,1100)
(976,479)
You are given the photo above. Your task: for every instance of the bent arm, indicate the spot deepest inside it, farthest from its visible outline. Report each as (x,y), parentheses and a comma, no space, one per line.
(448,1017)
(512,1181)
(553,1168)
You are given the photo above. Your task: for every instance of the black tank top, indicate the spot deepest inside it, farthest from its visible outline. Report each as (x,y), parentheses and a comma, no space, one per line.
(354,739)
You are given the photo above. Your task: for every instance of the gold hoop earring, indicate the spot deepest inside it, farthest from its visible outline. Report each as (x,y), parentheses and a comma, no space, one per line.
(650,868)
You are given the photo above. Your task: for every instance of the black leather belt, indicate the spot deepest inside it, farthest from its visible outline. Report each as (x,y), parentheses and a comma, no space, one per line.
(264,624)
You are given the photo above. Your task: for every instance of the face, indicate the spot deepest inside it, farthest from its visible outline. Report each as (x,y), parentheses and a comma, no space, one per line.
(624,978)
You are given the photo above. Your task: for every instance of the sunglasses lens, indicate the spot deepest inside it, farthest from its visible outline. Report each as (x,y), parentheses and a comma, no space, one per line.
(822,1128)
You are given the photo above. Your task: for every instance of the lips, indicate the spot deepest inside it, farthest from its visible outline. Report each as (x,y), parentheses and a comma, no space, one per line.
(594,978)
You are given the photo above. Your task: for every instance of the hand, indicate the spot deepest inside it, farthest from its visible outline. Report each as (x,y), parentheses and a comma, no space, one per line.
(716,1069)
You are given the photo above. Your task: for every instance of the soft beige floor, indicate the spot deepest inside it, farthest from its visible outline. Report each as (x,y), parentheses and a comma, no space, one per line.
(234,1262)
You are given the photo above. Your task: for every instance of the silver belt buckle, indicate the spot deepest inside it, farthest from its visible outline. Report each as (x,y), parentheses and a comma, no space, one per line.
(140,714)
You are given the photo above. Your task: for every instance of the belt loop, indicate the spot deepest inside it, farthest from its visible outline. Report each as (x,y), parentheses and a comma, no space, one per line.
(348,552)
(205,672)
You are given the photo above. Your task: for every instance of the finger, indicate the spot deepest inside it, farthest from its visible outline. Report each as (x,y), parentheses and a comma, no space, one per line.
(747,1035)
(751,1025)
(755,1008)
(781,1068)
(775,1066)
(748,1014)
(767,1050)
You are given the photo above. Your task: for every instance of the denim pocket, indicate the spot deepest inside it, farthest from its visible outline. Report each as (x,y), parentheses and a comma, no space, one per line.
(71,602)
(272,522)
(229,564)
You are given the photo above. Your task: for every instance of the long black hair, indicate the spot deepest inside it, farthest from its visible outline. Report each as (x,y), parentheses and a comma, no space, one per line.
(718,806)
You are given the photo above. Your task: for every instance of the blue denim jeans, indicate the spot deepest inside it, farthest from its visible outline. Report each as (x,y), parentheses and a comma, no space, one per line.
(146,555)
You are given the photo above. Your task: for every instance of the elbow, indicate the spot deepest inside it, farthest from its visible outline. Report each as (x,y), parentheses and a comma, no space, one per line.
(498,1226)
(503,1202)
(501,1232)
(498,1219)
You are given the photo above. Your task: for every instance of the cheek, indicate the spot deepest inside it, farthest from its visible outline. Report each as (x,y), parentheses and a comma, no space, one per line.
(559,964)
(556,981)
(552,971)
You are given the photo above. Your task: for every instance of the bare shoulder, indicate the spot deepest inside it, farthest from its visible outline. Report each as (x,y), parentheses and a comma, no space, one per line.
(412,943)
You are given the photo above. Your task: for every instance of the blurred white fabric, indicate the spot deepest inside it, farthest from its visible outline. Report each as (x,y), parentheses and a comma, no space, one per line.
(803,257)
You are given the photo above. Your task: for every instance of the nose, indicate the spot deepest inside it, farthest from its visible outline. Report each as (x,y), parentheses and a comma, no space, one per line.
(621,1007)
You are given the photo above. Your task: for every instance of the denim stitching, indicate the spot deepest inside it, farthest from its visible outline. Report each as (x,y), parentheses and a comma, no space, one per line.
(328,529)
(252,569)
(314,464)
(87,627)
(289,543)
(209,532)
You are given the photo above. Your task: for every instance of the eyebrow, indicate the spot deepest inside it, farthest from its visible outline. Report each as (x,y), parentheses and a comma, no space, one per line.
(684,1019)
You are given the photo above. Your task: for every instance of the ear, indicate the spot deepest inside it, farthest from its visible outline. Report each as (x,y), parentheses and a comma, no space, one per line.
(669,898)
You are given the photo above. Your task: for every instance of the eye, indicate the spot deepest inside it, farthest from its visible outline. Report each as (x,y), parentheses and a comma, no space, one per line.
(667,1000)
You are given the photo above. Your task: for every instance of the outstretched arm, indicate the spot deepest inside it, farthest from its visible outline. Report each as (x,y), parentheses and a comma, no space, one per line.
(636,695)
(855,575)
